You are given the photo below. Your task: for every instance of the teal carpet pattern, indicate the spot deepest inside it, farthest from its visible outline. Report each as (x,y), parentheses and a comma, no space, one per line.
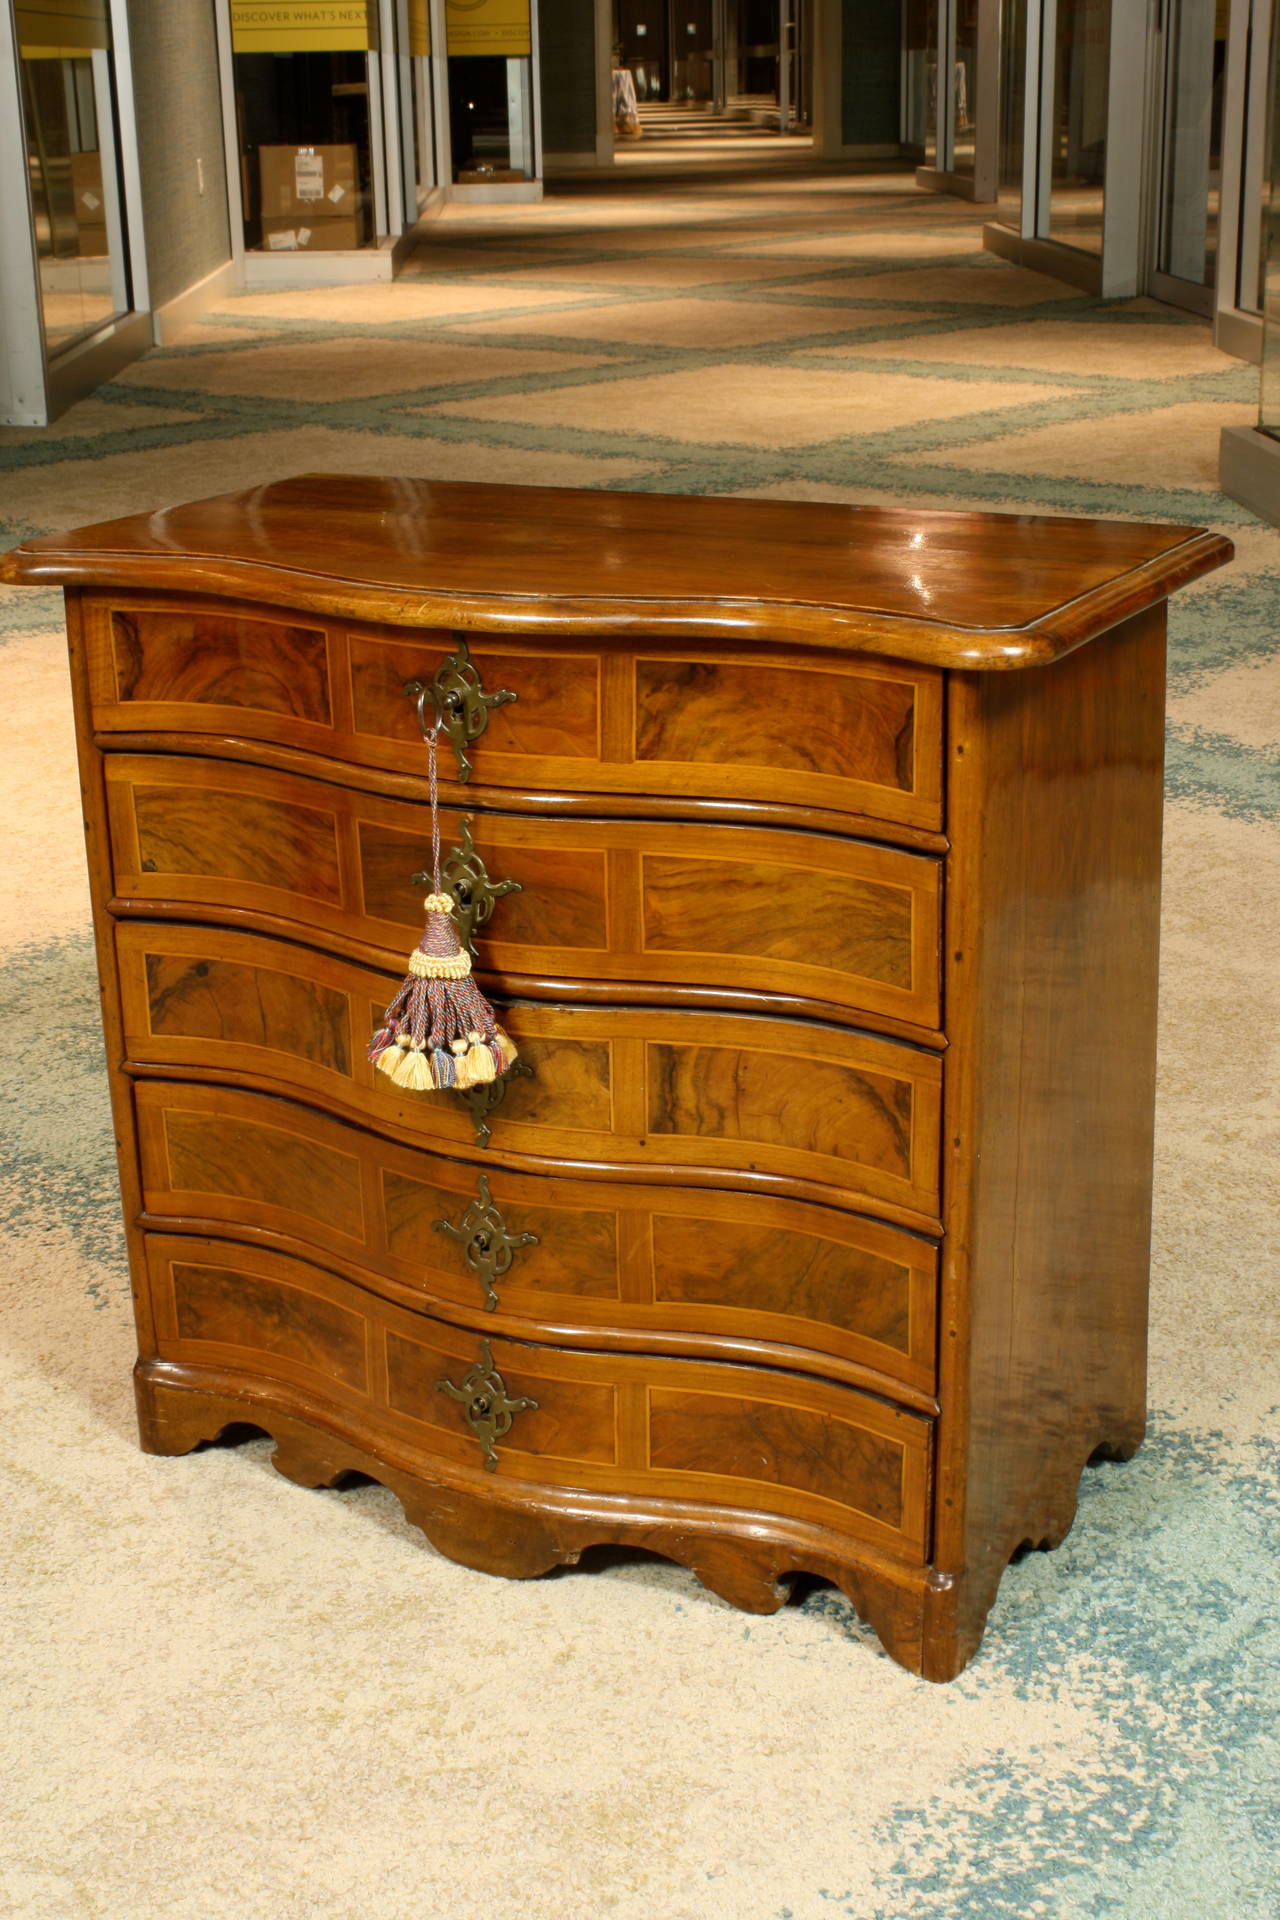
(228,1698)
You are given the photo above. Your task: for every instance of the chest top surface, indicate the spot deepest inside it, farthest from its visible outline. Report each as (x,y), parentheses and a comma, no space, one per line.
(960,590)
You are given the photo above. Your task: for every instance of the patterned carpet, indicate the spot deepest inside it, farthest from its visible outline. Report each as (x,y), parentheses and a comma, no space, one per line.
(228,1698)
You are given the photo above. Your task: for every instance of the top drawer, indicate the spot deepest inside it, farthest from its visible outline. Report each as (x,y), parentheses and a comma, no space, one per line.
(800,733)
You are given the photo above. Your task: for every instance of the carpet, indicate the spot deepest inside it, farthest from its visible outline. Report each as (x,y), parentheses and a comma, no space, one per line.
(227,1698)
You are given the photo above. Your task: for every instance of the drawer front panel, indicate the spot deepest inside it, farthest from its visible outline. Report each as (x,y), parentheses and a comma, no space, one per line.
(791,728)
(818,1112)
(817,918)
(732,1436)
(685,1265)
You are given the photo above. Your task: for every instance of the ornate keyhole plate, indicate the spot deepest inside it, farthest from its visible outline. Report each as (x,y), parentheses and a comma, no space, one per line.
(466,877)
(487,1407)
(455,701)
(487,1246)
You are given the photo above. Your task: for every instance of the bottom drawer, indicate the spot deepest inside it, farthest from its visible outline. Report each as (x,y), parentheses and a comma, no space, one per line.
(733,1436)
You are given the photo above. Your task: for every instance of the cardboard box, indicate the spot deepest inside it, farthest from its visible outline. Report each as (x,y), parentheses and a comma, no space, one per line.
(308,181)
(299,235)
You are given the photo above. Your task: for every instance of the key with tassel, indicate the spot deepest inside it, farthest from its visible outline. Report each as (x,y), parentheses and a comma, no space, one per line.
(439,1031)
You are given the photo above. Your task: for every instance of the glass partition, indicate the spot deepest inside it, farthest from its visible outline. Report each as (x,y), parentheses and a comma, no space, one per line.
(920,79)
(1013,102)
(417,114)
(68,100)
(490,49)
(940,57)
(1191,173)
(1078,132)
(306,97)
(964,81)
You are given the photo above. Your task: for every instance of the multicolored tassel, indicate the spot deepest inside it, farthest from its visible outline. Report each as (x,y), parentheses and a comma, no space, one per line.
(440,1031)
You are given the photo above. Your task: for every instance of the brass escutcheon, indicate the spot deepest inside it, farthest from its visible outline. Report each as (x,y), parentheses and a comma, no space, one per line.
(485,1099)
(466,877)
(486,1404)
(487,1246)
(457,702)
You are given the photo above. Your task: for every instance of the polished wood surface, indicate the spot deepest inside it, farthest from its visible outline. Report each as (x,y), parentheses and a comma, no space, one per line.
(847,927)
(825,1187)
(520,1530)
(1055,925)
(785,1106)
(966,590)
(723,1272)
(618,1423)
(637,722)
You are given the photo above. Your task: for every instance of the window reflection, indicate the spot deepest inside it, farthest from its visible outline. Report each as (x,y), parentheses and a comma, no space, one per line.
(1192,172)
(303,113)
(1082,52)
(68,113)
(490,44)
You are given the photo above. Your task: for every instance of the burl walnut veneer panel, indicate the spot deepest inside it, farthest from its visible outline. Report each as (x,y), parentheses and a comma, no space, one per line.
(790,1106)
(623,1423)
(842,927)
(813,854)
(611,1262)
(645,725)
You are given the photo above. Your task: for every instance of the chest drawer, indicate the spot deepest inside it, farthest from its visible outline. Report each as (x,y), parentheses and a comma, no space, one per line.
(793,729)
(804,917)
(730,1436)
(681,1271)
(785,1105)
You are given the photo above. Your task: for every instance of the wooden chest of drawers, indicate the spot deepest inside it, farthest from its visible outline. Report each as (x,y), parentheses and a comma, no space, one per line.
(813,855)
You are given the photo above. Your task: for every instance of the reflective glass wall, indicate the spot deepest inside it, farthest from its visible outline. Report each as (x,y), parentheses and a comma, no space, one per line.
(69,124)
(1195,57)
(490,87)
(1078,122)
(940,73)
(307,105)
(964,86)
(416,103)
(1013,106)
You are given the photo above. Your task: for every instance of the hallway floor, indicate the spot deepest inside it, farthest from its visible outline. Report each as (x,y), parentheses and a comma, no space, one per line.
(231,1699)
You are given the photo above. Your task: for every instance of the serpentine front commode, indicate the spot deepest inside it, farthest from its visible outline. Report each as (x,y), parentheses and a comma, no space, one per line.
(810,856)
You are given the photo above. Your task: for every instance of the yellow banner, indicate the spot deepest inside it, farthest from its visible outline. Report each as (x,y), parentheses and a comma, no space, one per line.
(62,29)
(303,26)
(419,28)
(488,26)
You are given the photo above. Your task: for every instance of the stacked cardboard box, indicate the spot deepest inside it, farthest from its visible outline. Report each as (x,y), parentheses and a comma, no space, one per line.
(310,199)
(91,206)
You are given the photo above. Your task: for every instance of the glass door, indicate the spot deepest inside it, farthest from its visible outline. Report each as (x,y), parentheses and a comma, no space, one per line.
(1194,58)
(493,142)
(1077,129)
(66,66)
(308,99)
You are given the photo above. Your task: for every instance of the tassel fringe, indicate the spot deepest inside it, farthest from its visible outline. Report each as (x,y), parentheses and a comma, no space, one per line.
(439,1031)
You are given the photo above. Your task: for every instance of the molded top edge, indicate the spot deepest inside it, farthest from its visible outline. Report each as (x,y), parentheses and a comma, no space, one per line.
(949,589)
